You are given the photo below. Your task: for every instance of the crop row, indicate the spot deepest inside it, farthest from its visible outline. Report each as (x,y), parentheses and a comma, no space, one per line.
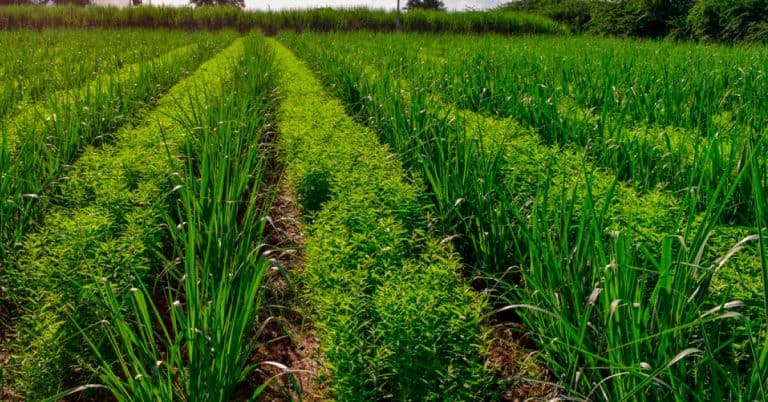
(38,144)
(103,226)
(193,339)
(36,64)
(394,319)
(587,248)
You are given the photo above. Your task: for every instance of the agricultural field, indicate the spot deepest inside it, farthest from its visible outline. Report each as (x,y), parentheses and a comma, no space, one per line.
(215,215)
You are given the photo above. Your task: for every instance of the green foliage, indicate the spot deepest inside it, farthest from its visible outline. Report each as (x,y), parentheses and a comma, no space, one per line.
(425,5)
(321,19)
(201,350)
(729,21)
(48,62)
(103,227)
(576,14)
(609,193)
(621,284)
(314,190)
(40,141)
(441,335)
(648,18)
(378,285)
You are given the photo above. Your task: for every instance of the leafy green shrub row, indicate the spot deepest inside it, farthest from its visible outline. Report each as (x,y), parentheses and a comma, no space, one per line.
(322,19)
(37,144)
(43,116)
(728,265)
(594,91)
(105,227)
(651,157)
(394,318)
(474,166)
(677,156)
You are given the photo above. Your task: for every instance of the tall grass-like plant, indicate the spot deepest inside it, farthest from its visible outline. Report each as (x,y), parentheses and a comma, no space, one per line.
(618,322)
(197,345)
(749,379)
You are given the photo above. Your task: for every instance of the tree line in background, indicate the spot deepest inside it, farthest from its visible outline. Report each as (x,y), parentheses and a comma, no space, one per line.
(410,4)
(271,22)
(727,21)
(197,3)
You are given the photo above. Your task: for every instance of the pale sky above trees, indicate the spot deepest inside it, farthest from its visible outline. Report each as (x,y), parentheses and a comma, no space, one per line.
(283,4)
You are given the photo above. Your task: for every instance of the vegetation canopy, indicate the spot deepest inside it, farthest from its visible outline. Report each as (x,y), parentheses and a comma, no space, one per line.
(481,207)
(425,5)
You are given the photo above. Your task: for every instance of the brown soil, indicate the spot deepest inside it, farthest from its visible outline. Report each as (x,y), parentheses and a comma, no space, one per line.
(6,394)
(519,375)
(289,353)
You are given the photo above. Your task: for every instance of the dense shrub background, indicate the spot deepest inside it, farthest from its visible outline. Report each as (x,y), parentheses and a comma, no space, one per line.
(729,20)
(706,20)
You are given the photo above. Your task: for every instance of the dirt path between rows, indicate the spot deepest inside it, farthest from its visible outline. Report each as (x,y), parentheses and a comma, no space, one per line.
(289,352)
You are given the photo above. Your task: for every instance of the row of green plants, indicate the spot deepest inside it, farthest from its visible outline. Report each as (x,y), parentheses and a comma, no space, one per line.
(321,19)
(38,144)
(36,64)
(165,313)
(657,83)
(627,297)
(21,127)
(727,21)
(191,337)
(394,319)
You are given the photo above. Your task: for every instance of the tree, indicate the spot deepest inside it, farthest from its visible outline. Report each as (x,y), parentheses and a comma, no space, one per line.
(230,3)
(425,5)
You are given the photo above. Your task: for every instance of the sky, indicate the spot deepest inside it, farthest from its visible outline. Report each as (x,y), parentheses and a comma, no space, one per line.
(454,5)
